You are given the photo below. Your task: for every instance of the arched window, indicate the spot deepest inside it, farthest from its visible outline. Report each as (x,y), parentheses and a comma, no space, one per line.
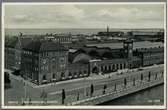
(105,68)
(85,72)
(113,66)
(124,65)
(75,74)
(80,73)
(120,66)
(44,77)
(53,76)
(101,68)
(117,66)
(70,74)
(109,67)
(62,75)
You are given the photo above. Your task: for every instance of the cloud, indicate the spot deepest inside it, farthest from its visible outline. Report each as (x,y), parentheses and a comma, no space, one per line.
(90,16)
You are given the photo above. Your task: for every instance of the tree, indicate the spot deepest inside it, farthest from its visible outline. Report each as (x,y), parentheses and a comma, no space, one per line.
(91,89)
(63,96)
(16,72)
(7,79)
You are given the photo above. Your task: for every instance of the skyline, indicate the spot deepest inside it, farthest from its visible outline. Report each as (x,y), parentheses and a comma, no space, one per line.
(122,16)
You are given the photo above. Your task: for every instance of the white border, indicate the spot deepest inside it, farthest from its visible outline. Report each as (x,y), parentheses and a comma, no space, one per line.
(83,107)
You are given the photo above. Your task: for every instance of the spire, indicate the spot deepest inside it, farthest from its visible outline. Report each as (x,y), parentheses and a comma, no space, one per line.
(19,38)
(107,31)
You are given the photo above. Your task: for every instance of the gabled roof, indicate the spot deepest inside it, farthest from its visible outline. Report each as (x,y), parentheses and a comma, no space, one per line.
(12,42)
(44,46)
(25,41)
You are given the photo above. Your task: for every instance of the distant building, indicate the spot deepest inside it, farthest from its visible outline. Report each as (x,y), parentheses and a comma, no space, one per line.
(60,38)
(150,56)
(109,33)
(148,35)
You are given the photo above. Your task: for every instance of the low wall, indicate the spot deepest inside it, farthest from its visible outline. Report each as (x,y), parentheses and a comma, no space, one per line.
(113,95)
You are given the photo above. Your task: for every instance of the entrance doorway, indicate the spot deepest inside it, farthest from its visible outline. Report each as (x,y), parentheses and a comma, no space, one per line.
(95,70)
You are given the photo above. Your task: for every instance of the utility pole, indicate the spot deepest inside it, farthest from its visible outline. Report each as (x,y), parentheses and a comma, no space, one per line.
(63,96)
(91,90)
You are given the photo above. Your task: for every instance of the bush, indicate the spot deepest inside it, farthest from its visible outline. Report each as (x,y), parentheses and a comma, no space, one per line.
(16,72)
(7,79)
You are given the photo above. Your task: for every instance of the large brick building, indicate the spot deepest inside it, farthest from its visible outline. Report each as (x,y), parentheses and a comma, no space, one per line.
(44,61)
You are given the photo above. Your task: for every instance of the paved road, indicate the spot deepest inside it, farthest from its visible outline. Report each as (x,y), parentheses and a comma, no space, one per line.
(17,92)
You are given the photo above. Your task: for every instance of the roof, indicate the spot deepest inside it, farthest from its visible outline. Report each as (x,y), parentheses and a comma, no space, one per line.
(25,41)
(44,46)
(11,42)
(136,45)
(144,33)
(152,50)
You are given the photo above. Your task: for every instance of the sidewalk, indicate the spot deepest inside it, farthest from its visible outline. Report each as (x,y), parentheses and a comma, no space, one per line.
(91,77)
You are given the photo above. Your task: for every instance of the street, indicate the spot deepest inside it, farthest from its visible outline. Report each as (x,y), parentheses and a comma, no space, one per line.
(75,90)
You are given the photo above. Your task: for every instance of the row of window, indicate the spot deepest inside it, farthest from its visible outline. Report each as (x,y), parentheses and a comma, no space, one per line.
(74,74)
(62,39)
(27,52)
(45,54)
(113,67)
(153,55)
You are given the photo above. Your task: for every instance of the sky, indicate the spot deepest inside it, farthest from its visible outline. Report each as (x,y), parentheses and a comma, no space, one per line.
(84,16)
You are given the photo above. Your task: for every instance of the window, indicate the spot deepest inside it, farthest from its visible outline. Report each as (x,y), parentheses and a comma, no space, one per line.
(101,68)
(62,75)
(53,76)
(120,66)
(109,67)
(70,74)
(44,77)
(75,74)
(105,68)
(124,65)
(80,73)
(113,66)
(85,71)
(117,66)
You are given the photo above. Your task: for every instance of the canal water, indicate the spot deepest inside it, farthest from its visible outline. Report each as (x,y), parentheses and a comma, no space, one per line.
(150,96)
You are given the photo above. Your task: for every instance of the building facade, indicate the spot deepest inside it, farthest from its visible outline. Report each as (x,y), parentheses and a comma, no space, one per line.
(44,61)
